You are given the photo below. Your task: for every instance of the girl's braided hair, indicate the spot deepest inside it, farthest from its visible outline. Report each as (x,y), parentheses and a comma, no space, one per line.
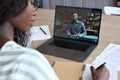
(11,8)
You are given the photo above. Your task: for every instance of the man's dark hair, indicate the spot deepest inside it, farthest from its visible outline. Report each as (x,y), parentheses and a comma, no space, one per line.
(11,8)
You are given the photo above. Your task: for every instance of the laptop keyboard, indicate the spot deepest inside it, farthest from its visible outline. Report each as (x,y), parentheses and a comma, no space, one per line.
(70,45)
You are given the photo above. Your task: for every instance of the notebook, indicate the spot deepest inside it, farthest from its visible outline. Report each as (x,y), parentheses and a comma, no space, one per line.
(69,70)
(76,33)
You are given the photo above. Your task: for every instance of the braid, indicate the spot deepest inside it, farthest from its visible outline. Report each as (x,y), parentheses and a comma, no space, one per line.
(22,38)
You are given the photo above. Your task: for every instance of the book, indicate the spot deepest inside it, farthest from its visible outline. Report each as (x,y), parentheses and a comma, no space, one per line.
(68,70)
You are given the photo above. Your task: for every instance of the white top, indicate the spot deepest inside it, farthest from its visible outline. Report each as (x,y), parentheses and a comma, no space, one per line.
(19,63)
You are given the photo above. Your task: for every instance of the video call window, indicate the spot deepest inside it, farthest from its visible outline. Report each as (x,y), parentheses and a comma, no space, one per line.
(65,23)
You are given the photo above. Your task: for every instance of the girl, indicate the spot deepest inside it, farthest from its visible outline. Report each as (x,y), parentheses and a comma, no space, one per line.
(20,63)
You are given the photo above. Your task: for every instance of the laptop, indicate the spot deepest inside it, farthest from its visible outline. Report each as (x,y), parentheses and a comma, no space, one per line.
(69,41)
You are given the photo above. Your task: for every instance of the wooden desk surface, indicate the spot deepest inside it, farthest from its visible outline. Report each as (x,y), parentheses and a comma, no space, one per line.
(110,28)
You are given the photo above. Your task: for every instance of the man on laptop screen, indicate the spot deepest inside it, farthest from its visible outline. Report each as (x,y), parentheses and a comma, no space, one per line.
(79,24)
(76,27)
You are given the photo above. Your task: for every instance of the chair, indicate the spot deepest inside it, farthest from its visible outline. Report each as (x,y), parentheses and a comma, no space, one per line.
(110,10)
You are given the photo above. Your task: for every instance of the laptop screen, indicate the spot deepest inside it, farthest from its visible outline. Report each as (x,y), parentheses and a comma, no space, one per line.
(78,24)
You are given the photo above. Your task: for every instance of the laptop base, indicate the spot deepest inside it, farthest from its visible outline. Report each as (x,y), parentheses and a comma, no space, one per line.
(71,54)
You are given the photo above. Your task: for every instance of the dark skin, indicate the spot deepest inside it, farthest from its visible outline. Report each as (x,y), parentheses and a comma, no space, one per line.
(21,22)
(100,74)
(6,32)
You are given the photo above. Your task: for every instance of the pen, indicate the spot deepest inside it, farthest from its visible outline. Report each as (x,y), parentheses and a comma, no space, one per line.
(101,65)
(43,31)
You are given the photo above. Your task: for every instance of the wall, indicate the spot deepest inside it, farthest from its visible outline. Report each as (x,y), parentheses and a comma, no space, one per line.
(79,3)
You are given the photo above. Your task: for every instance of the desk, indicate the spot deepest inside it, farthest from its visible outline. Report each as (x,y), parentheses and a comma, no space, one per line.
(110,28)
